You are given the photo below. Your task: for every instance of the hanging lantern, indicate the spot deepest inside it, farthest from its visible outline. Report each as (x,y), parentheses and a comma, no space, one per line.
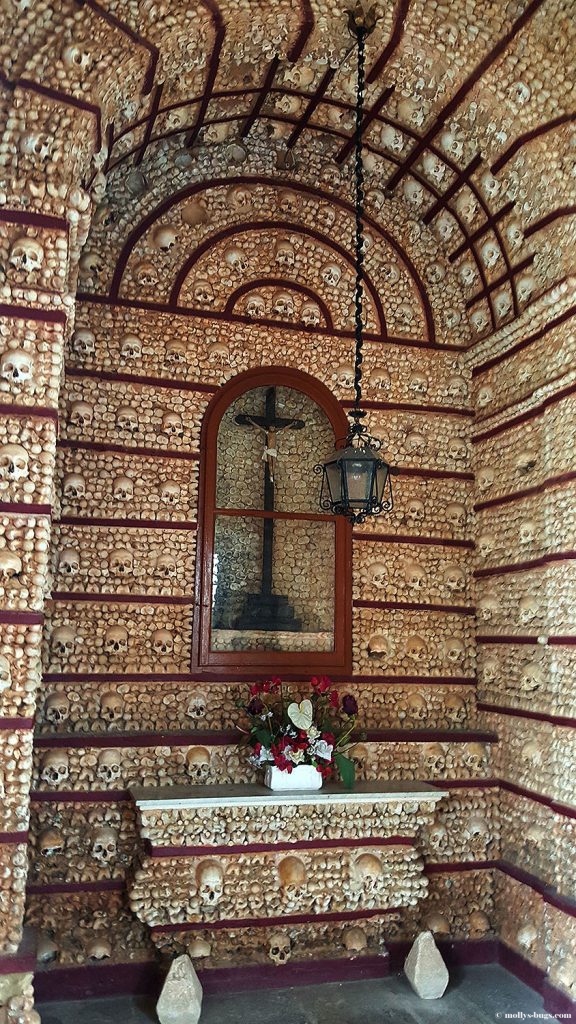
(356,479)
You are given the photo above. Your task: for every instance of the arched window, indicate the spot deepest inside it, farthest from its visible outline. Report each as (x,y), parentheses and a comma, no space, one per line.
(273,572)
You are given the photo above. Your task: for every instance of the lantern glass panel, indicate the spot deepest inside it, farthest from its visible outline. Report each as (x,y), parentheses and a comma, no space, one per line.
(358,481)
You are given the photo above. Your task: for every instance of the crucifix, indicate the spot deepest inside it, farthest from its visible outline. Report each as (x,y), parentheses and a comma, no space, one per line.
(269,611)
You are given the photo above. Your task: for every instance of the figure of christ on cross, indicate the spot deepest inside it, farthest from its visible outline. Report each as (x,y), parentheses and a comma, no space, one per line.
(274,612)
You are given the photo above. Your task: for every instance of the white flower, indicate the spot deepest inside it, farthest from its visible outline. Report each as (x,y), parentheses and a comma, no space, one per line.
(262,758)
(313,733)
(296,756)
(323,750)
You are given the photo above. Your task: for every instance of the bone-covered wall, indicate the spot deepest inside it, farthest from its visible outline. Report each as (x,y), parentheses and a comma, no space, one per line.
(176,208)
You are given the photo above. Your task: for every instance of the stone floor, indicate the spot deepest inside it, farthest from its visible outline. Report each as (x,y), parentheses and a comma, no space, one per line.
(476,995)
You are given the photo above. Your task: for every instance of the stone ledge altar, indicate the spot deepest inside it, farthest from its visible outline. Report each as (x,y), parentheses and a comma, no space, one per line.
(238,874)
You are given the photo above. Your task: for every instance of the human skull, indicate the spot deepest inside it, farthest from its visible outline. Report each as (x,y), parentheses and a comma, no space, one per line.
(467,274)
(131,347)
(502,303)
(434,758)
(331,274)
(485,395)
(74,486)
(127,419)
(16,366)
(36,144)
(284,254)
(478,924)
(282,304)
(26,255)
(474,755)
(170,492)
(418,383)
(487,608)
(526,460)
(378,646)
(413,708)
(456,515)
(81,414)
(63,641)
(437,835)
(175,352)
(527,936)
(525,288)
(122,488)
(344,375)
(198,764)
(288,202)
(84,342)
(104,847)
(116,640)
(414,575)
(415,441)
(54,768)
(14,464)
(479,319)
(255,305)
(162,642)
(489,185)
(172,424)
(210,882)
(486,544)
(436,272)
(109,767)
(51,843)
(455,709)
(378,575)
(111,707)
(199,948)
(91,264)
(413,192)
(195,213)
(416,648)
(121,561)
(291,873)
(489,669)
(219,353)
(452,144)
(514,234)
(466,207)
(434,168)
(528,610)
(415,512)
(75,57)
(57,708)
(490,254)
(165,566)
(98,949)
(164,237)
(527,531)
(310,314)
(412,111)
(392,139)
(279,948)
(366,871)
(239,197)
(457,386)
(444,227)
(457,449)
(519,93)
(380,379)
(532,677)
(354,940)
(5,673)
(405,315)
(145,274)
(235,259)
(485,478)
(197,707)
(524,371)
(10,566)
(454,650)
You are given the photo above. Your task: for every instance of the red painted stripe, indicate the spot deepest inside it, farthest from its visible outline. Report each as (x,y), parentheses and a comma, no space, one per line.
(462,177)
(35,220)
(391,538)
(160,852)
(400,13)
(33,411)
(506,639)
(528,136)
(538,716)
(130,378)
(457,609)
(56,888)
(544,889)
(562,641)
(14,838)
(434,474)
(22,618)
(260,98)
(216,679)
(130,598)
(496,360)
(92,796)
(444,410)
(219,36)
(315,100)
(69,101)
(160,453)
(10,724)
(21,508)
(140,524)
(480,231)
(554,215)
(46,316)
(524,417)
(151,118)
(505,499)
(535,563)
(267,922)
(134,36)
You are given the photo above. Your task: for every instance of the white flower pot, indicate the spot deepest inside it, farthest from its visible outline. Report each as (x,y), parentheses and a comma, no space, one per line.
(302,777)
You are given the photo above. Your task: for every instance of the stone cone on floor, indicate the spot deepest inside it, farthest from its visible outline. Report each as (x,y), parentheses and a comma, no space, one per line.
(180,1001)
(425,968)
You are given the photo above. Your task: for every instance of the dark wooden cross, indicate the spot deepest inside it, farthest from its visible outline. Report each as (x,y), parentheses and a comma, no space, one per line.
(270,425)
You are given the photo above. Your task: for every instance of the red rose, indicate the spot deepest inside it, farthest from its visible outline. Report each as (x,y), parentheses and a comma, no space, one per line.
(334,699)
(349,705)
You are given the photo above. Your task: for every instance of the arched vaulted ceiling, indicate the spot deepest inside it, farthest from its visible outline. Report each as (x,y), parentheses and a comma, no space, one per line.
(243,113)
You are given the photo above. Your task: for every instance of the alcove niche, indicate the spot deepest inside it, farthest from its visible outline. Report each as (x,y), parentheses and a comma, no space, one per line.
(273,581)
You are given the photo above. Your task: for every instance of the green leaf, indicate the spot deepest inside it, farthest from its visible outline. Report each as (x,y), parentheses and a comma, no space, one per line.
(262,736)
(347,769)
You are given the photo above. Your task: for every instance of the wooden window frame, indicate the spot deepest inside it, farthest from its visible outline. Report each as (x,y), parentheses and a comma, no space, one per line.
(339,660)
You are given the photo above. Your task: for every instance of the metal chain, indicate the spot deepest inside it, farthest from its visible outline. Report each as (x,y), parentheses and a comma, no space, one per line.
(359,211)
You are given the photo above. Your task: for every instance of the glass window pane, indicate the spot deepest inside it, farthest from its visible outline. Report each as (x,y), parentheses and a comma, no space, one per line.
(273,585)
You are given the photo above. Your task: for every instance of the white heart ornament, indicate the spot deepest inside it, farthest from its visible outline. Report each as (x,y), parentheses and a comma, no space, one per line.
(301,715)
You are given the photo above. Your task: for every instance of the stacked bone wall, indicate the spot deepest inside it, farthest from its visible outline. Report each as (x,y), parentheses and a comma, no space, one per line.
(524,397)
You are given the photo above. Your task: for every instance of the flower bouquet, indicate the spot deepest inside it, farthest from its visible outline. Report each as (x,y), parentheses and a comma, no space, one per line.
(300,743)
